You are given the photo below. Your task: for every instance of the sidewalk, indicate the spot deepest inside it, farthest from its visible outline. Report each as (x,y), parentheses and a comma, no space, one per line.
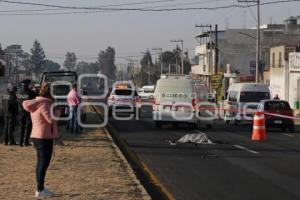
(88,167)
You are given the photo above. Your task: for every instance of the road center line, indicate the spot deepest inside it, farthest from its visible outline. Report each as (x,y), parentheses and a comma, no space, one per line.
(289,135)
(246,149)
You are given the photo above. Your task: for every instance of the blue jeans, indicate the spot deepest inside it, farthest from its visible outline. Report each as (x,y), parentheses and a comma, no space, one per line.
(73,122)
(44,149)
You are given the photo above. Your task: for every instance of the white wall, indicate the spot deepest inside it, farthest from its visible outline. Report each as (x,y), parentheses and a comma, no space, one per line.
(294,78)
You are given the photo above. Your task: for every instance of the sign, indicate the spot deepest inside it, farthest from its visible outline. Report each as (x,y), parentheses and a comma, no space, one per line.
(216,81)
(253,67)
(294,62)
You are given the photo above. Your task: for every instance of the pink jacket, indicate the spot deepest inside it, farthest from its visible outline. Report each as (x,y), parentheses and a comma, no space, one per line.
(73,98)
(43,125)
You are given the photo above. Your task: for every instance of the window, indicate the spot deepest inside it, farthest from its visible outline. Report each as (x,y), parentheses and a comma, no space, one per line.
(280,60)
(254,96)
(273,60)
(277,105)
(232,96)
(124,92)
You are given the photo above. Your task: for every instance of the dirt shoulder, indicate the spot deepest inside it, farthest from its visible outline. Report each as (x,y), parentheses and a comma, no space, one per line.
(89,166)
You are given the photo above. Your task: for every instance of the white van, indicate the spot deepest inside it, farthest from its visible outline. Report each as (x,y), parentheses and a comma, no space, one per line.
(175,101)
(242,99)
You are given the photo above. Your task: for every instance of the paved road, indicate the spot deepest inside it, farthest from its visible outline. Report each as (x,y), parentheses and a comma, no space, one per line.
(234,168)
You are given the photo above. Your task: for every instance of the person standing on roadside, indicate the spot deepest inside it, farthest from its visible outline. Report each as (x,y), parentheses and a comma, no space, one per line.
(24,94)
(73,102)
(10,110)
(44,131)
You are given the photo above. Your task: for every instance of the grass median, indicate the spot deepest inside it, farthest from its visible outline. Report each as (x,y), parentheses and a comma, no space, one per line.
(89,166)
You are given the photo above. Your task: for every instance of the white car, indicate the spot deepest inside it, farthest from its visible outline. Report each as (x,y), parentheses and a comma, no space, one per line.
(176,100)
(146,93)
(124,100)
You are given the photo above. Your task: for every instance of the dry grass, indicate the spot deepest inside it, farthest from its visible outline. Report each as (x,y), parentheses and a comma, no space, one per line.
(88,167)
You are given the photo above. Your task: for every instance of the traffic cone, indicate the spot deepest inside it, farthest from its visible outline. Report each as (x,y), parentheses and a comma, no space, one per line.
(259,127)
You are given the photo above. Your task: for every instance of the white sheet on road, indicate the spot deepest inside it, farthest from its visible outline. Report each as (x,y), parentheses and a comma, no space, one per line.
(196,138)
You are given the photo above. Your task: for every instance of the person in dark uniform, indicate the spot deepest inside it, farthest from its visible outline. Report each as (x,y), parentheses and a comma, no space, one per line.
(24,94)
(10,109)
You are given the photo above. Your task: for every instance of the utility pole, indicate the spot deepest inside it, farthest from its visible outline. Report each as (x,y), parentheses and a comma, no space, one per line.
(148,70)
(161,59)
(257,36)
(216,49)
(182,55)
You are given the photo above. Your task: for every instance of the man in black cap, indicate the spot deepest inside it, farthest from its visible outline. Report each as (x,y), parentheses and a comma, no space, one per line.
(25,93)
(10,109)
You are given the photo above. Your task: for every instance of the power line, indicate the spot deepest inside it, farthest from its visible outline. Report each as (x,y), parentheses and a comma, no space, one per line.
(99,9)
(102,6)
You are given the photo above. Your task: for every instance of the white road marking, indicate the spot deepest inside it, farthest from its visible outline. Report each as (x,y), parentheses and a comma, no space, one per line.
(246,149)
(288,135)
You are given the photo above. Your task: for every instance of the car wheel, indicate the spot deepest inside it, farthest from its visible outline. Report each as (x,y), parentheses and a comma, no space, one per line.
(158,124)
(209,126)
(236,122)
(292,129)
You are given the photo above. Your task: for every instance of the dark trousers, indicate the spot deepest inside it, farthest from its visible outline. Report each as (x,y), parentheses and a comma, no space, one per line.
(9,128)
(26,127)
(44,149)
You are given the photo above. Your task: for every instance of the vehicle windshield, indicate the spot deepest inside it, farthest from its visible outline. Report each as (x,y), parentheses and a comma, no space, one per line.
(124,92)
(148,91)
(52,79)
(61,90)
(277,105)
(254,96)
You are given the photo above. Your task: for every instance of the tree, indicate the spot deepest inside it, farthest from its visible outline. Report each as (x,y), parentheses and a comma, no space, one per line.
(37,59)
(87,68)
(70,62)
(147,70)
(51,66)
(106,60)
(1,51)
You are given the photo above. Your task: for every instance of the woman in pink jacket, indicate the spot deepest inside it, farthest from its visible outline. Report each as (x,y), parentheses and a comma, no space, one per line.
(44,131)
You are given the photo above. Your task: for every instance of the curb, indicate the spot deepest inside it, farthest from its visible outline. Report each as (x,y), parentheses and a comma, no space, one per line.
(150,182)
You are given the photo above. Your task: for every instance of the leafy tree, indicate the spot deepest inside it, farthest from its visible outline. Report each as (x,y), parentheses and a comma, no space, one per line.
(146,68)
(70,61)
(87,68)
(106,60)
(37,59)
(1,51)
(51,66)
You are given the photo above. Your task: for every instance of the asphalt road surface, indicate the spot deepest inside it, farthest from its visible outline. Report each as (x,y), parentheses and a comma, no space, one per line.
(232,168)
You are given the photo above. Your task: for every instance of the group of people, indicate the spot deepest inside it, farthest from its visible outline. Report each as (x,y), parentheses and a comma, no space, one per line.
(13,112)
(34,111)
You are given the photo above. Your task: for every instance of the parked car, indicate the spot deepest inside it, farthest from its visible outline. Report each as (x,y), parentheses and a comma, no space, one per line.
(146,93)
(124,99)
(278,114)
(175,101)
(240,95)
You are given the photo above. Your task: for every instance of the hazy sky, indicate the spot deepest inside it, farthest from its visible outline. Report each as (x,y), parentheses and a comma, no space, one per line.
(129,32)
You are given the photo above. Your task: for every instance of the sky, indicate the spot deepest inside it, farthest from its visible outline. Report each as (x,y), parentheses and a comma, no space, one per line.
(129,32)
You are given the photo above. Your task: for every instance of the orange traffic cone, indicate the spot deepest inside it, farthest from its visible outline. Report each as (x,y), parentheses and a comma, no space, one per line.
(259,128)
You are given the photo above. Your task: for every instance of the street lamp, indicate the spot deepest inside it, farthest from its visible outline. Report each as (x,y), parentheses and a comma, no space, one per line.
(161,58)
(182,53)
